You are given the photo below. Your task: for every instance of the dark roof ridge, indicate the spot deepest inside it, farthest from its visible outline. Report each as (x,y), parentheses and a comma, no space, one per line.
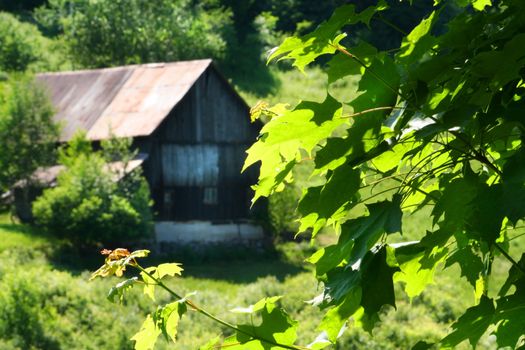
(125,67)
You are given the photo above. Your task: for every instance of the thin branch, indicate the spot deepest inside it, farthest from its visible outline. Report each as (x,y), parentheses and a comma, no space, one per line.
(430,158)
(215,318)
(376,194)
(509,258)
(367,68)
(475,152)
(516,237)
(390,24)
(370,111)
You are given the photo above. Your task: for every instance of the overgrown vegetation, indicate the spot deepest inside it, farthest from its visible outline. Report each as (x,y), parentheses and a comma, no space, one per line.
(98,197)
(23,47)
(68,312)
(27,131)
(111,33)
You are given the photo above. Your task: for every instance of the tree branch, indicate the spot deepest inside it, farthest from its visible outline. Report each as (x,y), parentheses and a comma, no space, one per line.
(213,317)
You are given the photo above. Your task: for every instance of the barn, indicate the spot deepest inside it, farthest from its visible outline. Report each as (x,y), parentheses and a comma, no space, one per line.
(191,130)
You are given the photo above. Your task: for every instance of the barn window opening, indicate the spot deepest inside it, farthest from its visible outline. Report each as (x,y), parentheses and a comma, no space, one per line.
(210,196)
(167,197)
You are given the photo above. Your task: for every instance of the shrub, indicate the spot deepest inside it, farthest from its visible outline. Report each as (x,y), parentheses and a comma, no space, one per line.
(89,204)
(46,310)
(27,130)
(281,212)
(23,47)
(117,32)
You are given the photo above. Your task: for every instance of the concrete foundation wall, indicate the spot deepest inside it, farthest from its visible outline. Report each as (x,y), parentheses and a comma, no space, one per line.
(205,232)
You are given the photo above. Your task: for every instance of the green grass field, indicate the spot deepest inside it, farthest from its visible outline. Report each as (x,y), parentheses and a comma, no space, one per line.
(68,312)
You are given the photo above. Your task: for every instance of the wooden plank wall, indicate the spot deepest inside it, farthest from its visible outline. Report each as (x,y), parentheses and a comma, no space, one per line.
(201,151)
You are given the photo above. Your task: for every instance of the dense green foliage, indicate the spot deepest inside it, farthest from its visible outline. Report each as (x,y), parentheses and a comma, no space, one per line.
(23,47)
(438,123)
(110,33)
(18,48)
(27,131)
(95,200)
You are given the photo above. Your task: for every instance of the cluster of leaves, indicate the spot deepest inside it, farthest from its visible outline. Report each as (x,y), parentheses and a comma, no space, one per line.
(97,197)
(109,33)
(275,331)
(23,47)
(438,122)
(27,130)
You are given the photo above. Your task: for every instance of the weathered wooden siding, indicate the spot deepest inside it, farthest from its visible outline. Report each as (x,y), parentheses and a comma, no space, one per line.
(152,166)
(190,165)
(209,113)
(202,150)
(203,182)
(187,203)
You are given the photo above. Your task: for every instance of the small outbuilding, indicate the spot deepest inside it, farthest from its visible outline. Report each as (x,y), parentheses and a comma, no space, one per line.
(192,130)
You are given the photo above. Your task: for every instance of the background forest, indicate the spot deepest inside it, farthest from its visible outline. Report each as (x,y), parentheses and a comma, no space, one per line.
(46,301)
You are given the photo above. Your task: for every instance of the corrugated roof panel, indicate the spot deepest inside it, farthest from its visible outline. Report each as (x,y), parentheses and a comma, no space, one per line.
(124,101)
(80,97)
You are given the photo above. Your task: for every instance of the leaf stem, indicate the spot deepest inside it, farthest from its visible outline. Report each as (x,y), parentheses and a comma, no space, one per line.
(509,258)
(370,111)
(367,68)
(477,154)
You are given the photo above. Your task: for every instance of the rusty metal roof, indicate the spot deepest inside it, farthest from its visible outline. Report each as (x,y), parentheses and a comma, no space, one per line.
(124,101)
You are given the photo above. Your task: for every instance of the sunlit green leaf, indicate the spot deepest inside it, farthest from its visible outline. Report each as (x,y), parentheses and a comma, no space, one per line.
(417,266)
(326,204)
(279,149)
(149,283)
(167,318)
(324,40)
(213,344)
(471,325)
(146,338)
(120,288)
(168,269)
(337,316)
(275,327)
(481,4)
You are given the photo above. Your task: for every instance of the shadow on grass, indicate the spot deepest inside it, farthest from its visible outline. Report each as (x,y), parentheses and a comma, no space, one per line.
(18,228)
(236,264)
(241,272)
(232,262)
(226,264)
(19,236)
(75,260)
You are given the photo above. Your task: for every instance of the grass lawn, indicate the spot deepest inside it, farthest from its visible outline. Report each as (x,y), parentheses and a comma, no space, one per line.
(14,235)
(69,312)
